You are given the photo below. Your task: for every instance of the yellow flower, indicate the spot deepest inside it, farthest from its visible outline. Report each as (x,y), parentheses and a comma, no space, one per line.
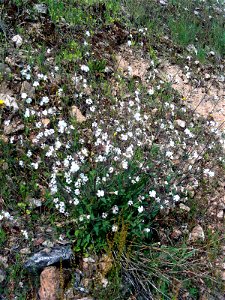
(184,98)
(2,102)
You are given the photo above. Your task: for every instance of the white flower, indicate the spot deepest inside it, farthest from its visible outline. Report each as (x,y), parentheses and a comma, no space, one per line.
(114,228)
(17,39)
(151,92)
(84,68)
(36,83)
(23,95)
(21,163)
(115,209)
(29,153)
(176,198)
(129,43)
(169,154)
(74,167)
(130,202)
(28,100)
(147,230)
(140,209)
(152,194)
(27,113)
(77,192)
(25,233)
(100,193)
(62,125)
(75,201)
(89,101)
(35,165)
(104,215)
(87,33)
(124,164)
(44,100)
(209,173)
(137,116)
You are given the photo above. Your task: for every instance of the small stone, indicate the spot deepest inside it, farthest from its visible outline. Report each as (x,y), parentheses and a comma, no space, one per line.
(50,283)
(5,71)
(48,257)
(45,122)
(25,251)
(207,76)
(184,207)
(176,234)
(181,123)
(75,112)
(220,215)
(28,89)
(17,39)
(3,261)
(223,275)
(105,264)
(4,138)
(2,275)
(48,244)
(13,128)
(197,234)
(9,101)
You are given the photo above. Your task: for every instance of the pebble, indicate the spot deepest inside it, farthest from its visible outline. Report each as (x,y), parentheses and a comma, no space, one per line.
(196,234)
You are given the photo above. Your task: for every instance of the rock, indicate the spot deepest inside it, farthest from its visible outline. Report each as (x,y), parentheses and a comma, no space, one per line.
(197,234)
(13,128)
(41,8)
(48,257)
(89,260)
(28,89)
(45,122)
(50,283)
(3,261)
(105,264)
(184,207)
(2,275)
(48,244)
(17,39)
(75,112)
(223,275)
(5,71)
(4,138)
(176,234)
(9,101)
(25,251)
(180,123)
(220,215)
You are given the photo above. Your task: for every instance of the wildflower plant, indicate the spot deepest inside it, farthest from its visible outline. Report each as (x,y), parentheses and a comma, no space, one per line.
(137,152)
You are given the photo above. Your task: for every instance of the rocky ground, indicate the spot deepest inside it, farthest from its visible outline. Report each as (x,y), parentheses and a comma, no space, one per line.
(50,75)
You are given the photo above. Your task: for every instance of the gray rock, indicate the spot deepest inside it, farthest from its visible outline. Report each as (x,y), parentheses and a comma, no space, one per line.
(48,257)
(2,275)
(5,71)
(28,89)
(9,101)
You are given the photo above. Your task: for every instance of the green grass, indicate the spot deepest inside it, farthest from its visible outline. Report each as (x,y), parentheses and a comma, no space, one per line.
(179,20)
